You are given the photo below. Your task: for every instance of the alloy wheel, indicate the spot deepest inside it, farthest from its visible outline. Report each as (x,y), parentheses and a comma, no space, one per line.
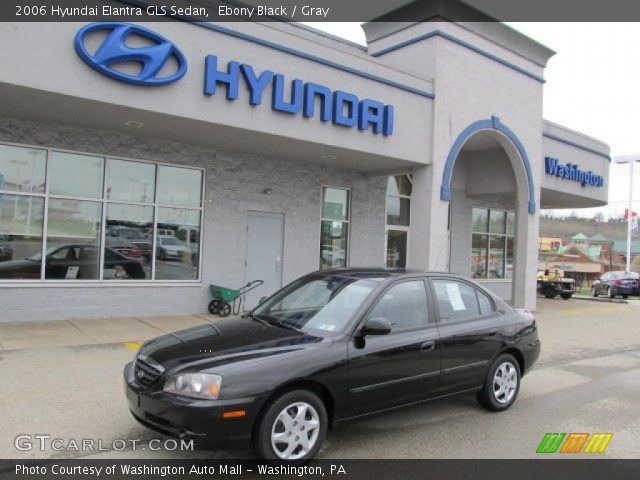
(295,431)
(505,382)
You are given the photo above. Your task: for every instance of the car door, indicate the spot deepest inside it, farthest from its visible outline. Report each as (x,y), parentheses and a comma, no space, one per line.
(59,262)
(402,366)
(471,332)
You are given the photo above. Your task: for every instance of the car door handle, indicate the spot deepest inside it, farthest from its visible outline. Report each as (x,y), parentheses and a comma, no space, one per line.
(426,346)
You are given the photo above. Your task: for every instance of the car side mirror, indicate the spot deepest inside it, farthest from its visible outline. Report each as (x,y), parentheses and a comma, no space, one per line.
(375,326)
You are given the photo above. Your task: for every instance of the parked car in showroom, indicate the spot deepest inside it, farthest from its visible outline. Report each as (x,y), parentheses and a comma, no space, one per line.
(170,248)
(617,283)
(72,262)
(331,346)
(126,248)
(134,235)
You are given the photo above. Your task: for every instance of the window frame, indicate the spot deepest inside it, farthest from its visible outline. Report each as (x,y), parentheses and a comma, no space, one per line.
(476,289)
(504,236)
(104,202)
(347,256)
(400,228)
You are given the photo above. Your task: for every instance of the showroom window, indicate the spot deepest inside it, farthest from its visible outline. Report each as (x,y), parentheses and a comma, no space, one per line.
(398,220)
(92,217)
(492,243)
(334,227)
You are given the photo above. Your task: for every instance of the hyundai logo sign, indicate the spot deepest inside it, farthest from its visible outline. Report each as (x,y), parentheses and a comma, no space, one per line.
(293,97)
(114,50)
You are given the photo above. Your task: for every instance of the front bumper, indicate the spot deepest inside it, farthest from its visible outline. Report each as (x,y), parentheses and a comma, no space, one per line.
(190,419)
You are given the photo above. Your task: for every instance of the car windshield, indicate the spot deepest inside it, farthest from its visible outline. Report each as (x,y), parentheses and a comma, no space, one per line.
(324,303)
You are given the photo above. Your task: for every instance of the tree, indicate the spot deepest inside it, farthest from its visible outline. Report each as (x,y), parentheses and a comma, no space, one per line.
(598,217)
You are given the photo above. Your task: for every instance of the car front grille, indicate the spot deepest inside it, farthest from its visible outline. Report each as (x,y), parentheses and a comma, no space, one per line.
(146,373)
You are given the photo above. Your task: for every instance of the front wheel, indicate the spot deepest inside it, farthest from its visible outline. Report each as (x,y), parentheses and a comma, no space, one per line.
(566,296)
(502,384)
(549,292)
(594,293)
(610,293)
(292,428)
(214,306)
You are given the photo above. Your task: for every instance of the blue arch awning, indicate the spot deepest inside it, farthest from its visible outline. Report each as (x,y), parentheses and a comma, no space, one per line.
(492,123)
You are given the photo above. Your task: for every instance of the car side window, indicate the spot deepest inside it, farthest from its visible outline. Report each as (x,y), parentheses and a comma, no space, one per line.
(456,300)
(486,306)
(404,305)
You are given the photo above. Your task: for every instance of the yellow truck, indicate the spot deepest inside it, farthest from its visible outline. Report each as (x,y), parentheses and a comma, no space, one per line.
(552,283)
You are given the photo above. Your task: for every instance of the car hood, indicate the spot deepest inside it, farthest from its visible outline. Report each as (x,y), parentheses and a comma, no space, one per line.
(17,264)
(224,341)
(175,248)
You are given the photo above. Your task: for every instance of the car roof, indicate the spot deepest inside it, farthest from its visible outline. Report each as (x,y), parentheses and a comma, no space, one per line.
(381,273)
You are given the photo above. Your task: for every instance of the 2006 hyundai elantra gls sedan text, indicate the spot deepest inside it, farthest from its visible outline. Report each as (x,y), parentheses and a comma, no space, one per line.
(331,346)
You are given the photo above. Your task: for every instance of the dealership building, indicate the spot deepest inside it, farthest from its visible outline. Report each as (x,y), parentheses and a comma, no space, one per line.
(140,163)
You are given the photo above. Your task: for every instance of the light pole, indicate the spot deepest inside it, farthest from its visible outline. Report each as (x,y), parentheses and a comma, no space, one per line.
(631,160)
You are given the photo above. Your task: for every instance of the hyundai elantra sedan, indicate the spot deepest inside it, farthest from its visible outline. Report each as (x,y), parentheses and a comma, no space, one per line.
(332,346)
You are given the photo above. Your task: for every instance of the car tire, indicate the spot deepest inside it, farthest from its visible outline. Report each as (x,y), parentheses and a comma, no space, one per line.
(594,293)
(502,384)
(625,296)
(549,292)
(280,429)
(610,293)
(163,257)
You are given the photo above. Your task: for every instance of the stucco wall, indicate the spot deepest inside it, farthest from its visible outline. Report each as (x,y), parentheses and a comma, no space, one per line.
(234,182)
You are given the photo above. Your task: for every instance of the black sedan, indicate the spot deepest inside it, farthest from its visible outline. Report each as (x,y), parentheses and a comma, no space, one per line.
(613,284)
(329,347)
(71,261)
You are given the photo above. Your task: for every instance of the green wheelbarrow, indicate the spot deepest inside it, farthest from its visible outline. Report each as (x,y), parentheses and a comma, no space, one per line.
(227,300)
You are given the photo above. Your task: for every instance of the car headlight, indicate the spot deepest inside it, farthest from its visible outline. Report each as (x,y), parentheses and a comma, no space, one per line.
(196,385)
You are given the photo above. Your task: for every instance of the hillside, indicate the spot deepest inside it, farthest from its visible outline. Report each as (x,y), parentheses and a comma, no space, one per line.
(568,227)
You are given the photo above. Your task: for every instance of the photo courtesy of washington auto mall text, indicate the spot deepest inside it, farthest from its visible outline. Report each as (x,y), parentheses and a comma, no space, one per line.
(359,239)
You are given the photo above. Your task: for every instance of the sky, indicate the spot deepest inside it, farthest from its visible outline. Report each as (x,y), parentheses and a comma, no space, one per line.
(592,86)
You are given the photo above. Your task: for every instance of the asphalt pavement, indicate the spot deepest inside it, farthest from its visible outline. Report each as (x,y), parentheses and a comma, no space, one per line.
(586,380)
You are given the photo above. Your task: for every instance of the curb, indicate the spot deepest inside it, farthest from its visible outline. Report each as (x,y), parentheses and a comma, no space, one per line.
(598,299)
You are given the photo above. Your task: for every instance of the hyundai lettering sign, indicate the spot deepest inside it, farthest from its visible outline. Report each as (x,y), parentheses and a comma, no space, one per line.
(293,97)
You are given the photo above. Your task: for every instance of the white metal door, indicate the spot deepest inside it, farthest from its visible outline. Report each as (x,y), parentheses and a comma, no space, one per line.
(264,254)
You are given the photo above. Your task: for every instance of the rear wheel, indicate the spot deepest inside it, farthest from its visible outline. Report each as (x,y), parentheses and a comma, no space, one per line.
(549,291)
(566,296)
(292,428)
(610,293)
(594,292)
(502,384)
(625,296)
